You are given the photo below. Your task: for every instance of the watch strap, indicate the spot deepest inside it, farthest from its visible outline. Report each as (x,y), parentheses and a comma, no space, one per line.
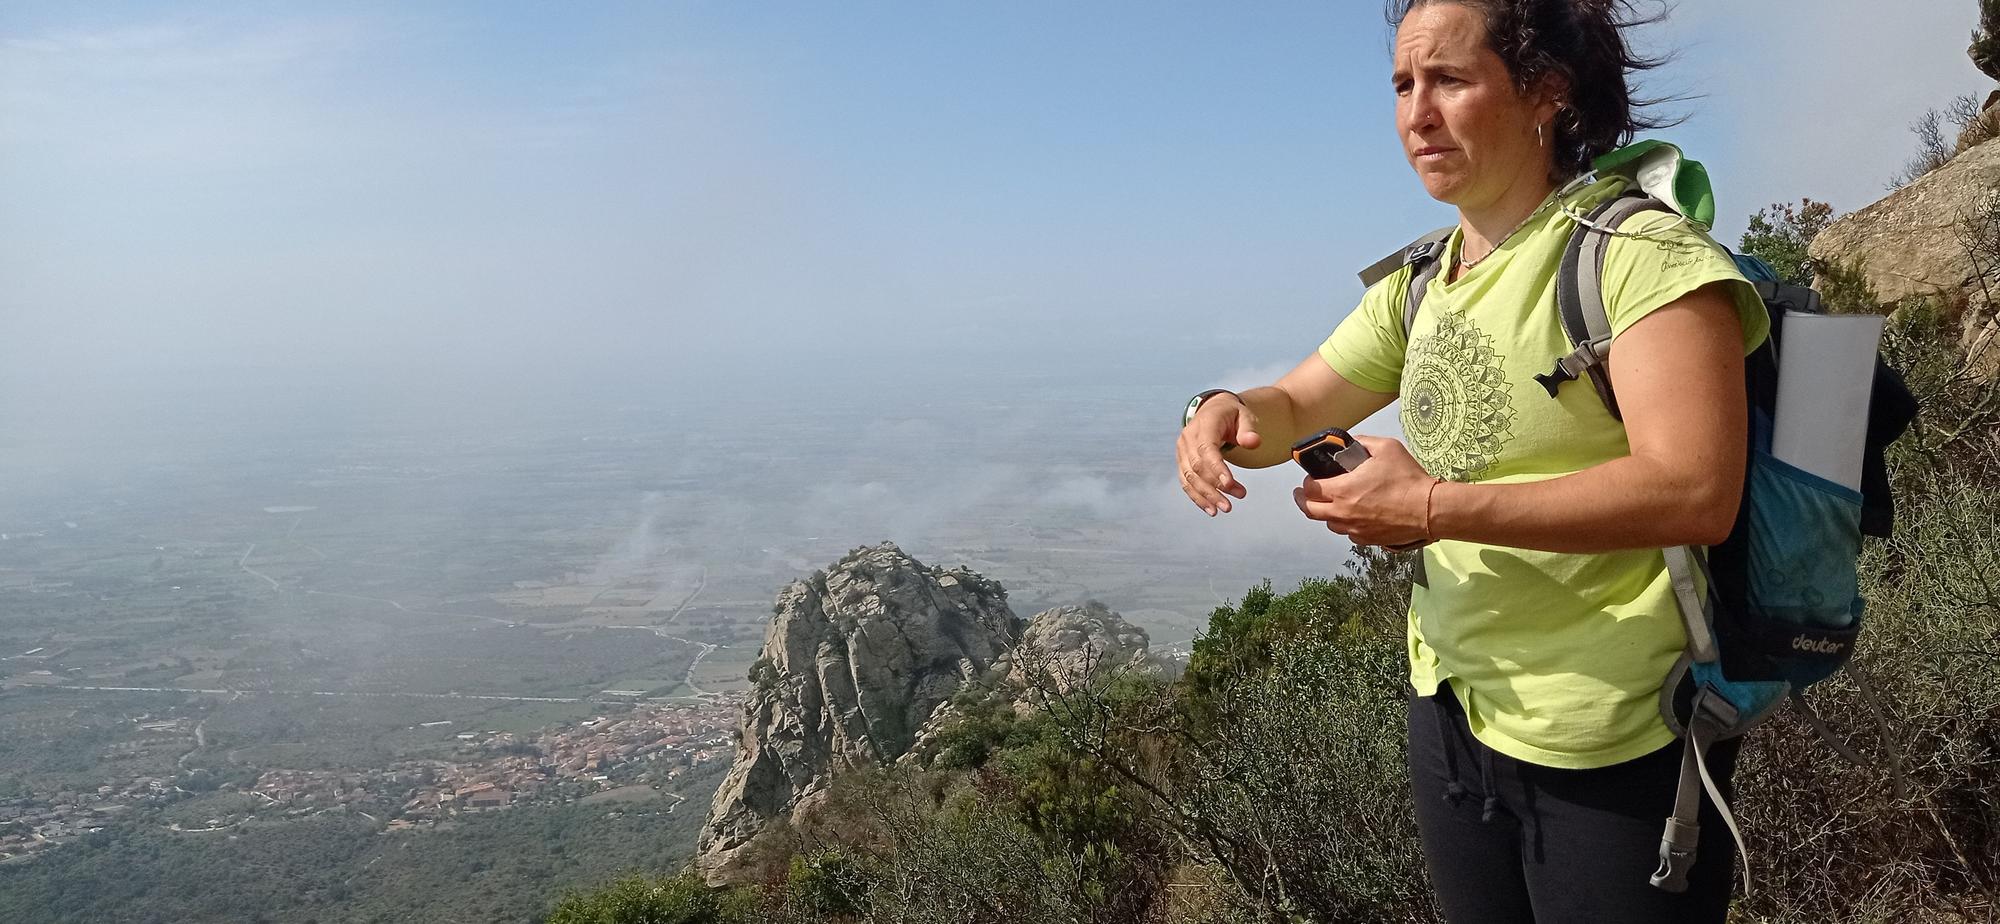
(1194,403)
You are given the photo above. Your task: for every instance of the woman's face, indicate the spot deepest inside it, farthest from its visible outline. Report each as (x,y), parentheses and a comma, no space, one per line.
(1465,129)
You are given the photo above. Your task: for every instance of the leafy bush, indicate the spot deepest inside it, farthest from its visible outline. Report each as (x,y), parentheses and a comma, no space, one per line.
(1241,639)
(830,883)
(948,848)
(1009,816)
(1780,234)
(1277,762)
(1305,796)
(985,725)
(1985,50)
(682,899)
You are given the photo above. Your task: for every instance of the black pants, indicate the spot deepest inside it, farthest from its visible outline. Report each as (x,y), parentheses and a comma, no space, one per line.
(1508,841)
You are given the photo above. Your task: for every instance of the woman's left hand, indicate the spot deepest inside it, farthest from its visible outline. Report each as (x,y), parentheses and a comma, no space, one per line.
(1381,502)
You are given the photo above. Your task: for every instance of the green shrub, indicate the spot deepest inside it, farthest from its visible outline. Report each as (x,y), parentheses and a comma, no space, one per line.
(953,851)
(1303,790)
(1780,235)
(830,883)
(1240,639)
(1985,50)
(985,726)
(639,899)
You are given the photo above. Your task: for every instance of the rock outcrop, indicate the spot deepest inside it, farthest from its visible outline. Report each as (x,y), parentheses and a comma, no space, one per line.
(1909,242)
(1068,644)
(1061,649)
(857,658)
(1938,236)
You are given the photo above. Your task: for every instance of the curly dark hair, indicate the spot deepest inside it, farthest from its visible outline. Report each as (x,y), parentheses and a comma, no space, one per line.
(1582,44)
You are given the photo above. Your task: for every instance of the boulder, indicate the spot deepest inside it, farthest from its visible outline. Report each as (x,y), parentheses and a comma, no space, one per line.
(1909,243)
(856,660)
(1938,236)
(1072,643)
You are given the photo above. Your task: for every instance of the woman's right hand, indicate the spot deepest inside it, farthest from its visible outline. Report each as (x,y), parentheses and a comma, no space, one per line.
(1205,477)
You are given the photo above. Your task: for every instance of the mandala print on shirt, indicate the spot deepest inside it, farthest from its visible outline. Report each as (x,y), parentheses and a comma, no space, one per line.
(1456,408)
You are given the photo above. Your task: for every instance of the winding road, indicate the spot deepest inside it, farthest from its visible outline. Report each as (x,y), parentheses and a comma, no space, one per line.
(200,741)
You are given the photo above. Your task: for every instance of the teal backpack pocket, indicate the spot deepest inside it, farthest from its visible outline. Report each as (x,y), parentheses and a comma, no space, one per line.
(1803,593)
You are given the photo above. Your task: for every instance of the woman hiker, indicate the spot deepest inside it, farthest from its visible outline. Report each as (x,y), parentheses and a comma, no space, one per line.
(1545,624)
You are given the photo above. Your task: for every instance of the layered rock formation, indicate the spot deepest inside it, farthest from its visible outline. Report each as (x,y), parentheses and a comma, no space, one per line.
(857,658)
(1909,242)
(1938,236)
(859,669)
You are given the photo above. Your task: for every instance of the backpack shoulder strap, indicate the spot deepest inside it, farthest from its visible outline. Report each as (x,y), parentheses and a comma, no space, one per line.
(1580,297)
(1422,255)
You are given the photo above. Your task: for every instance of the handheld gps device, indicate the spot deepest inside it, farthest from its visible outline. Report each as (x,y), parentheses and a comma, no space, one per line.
(1334,451)
(1329,452)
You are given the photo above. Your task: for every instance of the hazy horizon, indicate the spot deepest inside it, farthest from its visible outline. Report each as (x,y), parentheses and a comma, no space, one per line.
(428,195)
(391,392)
(243,230)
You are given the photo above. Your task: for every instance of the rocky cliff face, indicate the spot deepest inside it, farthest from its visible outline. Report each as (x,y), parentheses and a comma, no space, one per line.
(1938,236)
(857,658)
(859,669)
(1909,243)
(1061,649)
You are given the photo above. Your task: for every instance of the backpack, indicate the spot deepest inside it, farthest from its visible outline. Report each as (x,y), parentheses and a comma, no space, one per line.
(1784,609)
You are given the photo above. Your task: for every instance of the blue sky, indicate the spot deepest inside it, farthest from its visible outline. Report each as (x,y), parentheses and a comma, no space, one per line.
(506,185)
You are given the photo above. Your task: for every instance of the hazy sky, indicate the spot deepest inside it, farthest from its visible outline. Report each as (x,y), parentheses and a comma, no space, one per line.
(422,188)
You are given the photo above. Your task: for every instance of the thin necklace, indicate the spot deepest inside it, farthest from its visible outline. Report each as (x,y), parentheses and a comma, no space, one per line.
(1463,263)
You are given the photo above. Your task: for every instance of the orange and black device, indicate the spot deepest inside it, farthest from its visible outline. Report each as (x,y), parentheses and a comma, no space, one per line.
(1329,452)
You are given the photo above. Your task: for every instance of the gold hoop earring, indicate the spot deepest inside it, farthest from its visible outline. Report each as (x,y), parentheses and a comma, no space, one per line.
(1539,142)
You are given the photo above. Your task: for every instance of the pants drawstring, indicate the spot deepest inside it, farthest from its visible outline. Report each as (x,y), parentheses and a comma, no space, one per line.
(1492,802)
(1453,789)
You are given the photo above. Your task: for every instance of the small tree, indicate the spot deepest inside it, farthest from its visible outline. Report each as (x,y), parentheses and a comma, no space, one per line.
(1985,50)
(1780,235)
(1943,133)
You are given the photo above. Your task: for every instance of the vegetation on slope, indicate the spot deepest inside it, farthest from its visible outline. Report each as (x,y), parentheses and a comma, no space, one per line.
(507,866)
(1267,784)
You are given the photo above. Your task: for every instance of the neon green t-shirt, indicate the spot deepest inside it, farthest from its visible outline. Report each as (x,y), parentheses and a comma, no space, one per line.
(1558,658)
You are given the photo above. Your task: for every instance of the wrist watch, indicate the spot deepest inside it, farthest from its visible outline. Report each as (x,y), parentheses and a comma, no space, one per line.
(1194,403)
